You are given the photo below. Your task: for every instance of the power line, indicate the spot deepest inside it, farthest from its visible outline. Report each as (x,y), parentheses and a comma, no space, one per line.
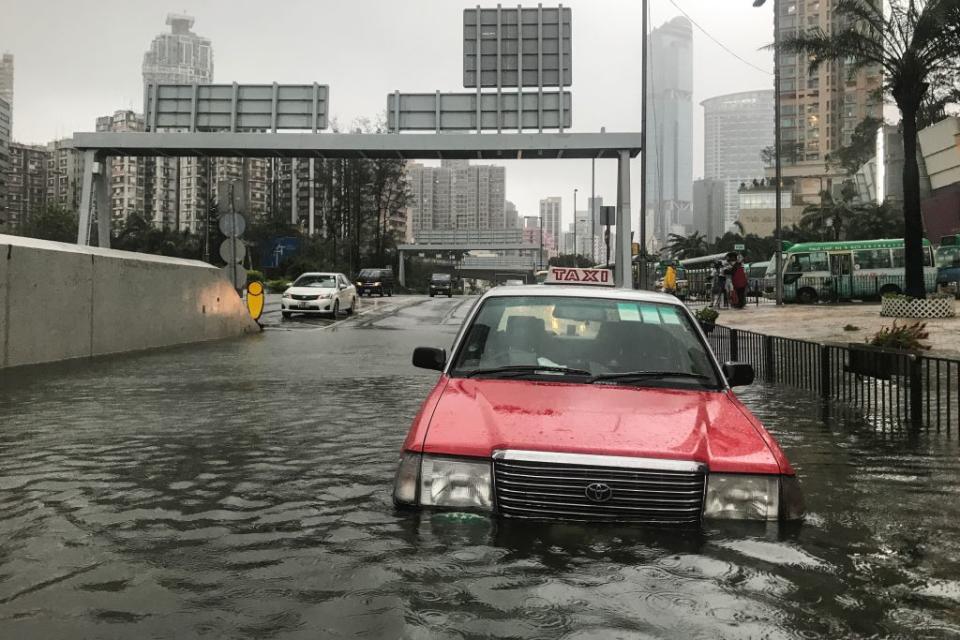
(720,44)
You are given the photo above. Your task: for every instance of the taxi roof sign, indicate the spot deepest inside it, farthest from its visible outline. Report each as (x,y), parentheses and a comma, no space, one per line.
(575,275)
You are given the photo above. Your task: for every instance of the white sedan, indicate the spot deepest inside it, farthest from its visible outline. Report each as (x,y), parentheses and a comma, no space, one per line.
(327,293)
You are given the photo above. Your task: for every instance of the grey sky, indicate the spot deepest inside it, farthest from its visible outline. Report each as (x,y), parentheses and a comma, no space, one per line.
(77,59)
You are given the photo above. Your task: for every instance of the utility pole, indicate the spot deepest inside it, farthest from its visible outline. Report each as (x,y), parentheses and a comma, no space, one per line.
(778,179)
(575,227)
(643,144)
(593,210)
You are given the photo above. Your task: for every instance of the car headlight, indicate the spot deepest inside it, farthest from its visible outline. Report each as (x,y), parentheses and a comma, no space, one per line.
(455,482)
(405,482)
(435,481)
(742,497)
(324,296)
(376,284)
(359,284)
(286,295)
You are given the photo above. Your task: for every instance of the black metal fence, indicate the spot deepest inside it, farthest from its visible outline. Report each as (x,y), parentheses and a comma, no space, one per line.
(896,387)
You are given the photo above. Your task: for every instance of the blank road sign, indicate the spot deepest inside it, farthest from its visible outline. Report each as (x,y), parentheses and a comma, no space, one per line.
(236,107)
(528,47)
(458,111)
(232,225)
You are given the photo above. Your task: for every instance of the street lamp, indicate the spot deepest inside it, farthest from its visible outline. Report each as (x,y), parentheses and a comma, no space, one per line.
(778,180)
(574,227)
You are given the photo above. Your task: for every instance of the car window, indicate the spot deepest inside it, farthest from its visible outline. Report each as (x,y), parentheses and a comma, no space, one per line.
(322,281)
(602,336)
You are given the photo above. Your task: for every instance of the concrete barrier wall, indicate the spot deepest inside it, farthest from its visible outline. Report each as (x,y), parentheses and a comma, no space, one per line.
(60,301)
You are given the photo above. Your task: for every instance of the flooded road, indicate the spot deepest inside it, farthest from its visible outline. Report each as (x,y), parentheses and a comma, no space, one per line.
(242,489)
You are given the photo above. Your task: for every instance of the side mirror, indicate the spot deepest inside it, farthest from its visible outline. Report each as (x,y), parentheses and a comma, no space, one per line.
(430,358)
(738,374)
(342,287)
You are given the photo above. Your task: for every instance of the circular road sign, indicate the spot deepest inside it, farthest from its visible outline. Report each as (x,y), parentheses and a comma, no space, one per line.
(236,274)
(232,225)
(231,245)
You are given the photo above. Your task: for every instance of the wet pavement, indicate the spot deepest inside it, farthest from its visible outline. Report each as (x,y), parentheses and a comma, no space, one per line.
(242,489)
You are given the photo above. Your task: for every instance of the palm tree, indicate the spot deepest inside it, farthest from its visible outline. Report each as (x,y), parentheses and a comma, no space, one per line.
(691,246)
(914,43)
(835,214)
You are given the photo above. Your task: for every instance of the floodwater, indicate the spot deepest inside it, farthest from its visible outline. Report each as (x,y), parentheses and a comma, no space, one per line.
(242,489)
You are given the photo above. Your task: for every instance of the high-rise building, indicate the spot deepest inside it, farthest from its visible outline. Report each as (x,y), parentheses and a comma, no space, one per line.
(64,174)
(511,216)
(126,175)
(709,207)
(551,210)
(737,127)
(6,79)
(5,130)
(457,195)
(176,189)
(26,185)
(819,111)
(180,56)
(669,184)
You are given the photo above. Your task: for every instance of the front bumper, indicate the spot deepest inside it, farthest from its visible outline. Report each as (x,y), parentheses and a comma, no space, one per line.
(369,288)
(307,306)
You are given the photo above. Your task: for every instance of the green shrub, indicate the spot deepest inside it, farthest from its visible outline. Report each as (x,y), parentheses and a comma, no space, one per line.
(706,314)
(906,337)
(254,276)
(277,286)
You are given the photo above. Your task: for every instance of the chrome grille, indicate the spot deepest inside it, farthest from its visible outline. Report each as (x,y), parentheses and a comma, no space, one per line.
(297,296)
(558,491)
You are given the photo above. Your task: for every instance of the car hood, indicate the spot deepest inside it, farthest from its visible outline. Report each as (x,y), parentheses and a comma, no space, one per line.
(475,417)
(310,291)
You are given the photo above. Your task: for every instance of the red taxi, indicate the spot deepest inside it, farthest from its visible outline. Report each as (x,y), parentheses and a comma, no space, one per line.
(589,403)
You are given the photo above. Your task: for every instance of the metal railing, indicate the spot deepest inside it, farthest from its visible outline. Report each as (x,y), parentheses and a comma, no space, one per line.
(891,386)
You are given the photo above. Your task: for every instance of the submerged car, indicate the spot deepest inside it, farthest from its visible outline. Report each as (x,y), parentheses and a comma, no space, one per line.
(325,293)
(590,404)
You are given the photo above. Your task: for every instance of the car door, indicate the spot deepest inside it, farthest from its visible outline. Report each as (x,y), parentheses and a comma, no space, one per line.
(346,293)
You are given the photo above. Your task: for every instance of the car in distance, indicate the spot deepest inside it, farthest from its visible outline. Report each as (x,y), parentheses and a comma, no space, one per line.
(512,283)
(580,403)
(319,293)
(441,284)
(375,281)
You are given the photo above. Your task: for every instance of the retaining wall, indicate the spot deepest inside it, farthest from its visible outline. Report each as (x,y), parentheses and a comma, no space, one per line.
(61,301)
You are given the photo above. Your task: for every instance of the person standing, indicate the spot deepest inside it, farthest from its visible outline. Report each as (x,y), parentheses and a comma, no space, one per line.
(719,287)
(738,277)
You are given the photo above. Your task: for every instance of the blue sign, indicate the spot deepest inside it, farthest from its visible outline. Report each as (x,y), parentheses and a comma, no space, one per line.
(279,249)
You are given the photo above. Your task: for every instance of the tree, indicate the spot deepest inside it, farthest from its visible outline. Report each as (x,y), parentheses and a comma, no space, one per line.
(569,260)
(862,147)
(692,246)
(913,42)
(831,217)
(53,222)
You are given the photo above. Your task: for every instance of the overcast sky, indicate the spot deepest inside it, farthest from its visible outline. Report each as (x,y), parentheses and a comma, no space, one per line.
(77,59)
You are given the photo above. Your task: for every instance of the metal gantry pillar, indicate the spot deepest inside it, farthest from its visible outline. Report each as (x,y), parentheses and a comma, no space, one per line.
(102,204)
(86,198)
(624,258)
(401,271)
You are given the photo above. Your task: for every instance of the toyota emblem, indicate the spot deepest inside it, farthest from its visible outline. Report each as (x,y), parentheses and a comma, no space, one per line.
(598,492)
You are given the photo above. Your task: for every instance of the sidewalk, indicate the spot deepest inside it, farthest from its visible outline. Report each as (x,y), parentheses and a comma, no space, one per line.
(825,323)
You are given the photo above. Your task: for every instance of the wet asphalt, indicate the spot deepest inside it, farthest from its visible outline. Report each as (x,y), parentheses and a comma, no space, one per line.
(241,489)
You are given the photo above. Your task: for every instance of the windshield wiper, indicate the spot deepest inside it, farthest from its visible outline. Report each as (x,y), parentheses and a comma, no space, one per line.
(638,376)
(513,371)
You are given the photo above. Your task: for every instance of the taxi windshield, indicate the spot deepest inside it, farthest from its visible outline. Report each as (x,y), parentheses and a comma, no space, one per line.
(318,281)
(592,339)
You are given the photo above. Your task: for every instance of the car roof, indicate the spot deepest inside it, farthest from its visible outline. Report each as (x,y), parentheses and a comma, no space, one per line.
(319,273)
(581,291)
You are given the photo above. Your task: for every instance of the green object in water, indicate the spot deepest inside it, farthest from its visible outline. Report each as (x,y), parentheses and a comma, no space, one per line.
(459,516)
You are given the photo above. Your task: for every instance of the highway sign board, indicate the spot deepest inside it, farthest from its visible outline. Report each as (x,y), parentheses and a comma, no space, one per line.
(519,47)
(458,111)
(236,107)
